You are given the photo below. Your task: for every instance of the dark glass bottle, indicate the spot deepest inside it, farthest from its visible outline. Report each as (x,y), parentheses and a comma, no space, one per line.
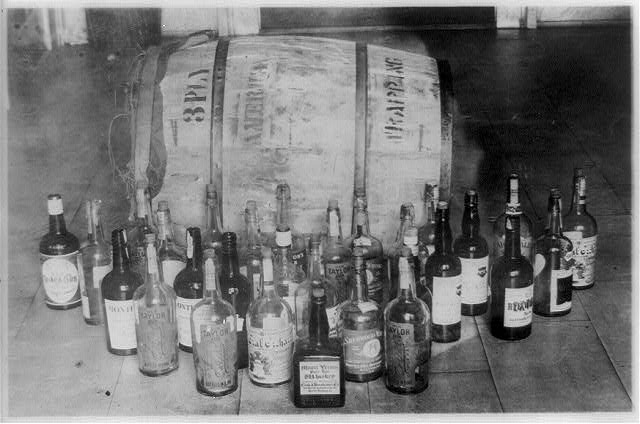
(407,217)
(336,257)
(318,363)
(473,251)
(60,262)
(117,289)
(189,287)
(212,238)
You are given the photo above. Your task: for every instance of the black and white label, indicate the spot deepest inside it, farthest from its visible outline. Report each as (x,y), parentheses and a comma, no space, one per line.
(121,321)
(319,377)
(518,307)
(446,300)
(475,273)
(183,316)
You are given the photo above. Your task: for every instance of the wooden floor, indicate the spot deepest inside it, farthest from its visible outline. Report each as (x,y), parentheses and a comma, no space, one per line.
(540,101)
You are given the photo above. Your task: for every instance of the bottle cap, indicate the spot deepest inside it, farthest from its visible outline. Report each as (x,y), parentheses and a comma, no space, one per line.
(54,204)
(283,238)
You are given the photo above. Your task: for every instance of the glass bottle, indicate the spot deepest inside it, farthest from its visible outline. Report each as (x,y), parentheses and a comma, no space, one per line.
(60,261)
(253,248)
(213,334)
(371,246)
(581,228)
(287,275)
(117,288)
(268,230)
(283,224)
(407,217)
(212,238)
(410,240)
(171,258)
(511,282)
(318,362)
(336,257)
(427,228)
(553,264)
(155,309)
(361,326)
(188,287)
(235,290)
(96,263)
(473,251)
(407,335)
(270,333)
(144,226)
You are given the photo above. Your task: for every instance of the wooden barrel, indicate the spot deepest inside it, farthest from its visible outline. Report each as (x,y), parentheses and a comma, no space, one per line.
(325,115)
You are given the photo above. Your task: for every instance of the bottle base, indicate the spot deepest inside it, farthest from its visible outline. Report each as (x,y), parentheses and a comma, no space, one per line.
(64,307)
(319,401)
(362,378)
(409,391)
(551,314)
(259,384)
(469,310)
(582,287)
(445,333)
(97,321)
(511,334)
(123,352)
(154,373)
(184,348)
(205,392)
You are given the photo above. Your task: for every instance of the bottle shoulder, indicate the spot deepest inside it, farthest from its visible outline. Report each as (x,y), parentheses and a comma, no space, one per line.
(59,244)
(212,310)
(407,311)
(444,260)
(471,247)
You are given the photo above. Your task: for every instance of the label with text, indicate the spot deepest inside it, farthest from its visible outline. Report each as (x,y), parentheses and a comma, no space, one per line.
(475,274)
(362,351)
(121,323)
(319,377)
(446,300)
(60,278)
(183,316)
(518,307)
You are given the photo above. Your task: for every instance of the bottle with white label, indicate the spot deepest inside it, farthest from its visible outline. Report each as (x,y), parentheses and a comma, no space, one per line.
(473,251)
(188,287)
(553,264)
(253,249)
(270,333)
(511,282)
(60,262)
(284,223)
(117,288)
(336,256)
(407,217)
(96,263)
(581,228)
(213,336)
(170,256)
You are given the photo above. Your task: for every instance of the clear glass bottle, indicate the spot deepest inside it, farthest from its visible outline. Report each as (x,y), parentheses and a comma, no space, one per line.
(287,275)
(318,362)
(189,287)
(581,228)
(268,230)
(410,240)
(253,248)
(155,311)
(336,256)
(473,251)
(213,334)
(144,226)
(171,258)
(212,237)
(284,223)
(60,261)
(427,227)
(407,335)
(96,263)
(117,288)
(553,268)
(270,333)
(407,217)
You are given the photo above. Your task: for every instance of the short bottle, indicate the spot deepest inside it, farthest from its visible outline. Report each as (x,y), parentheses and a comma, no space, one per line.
(213,335)
(581,228)
(60,261)
(270,333)
(407,335)
(155,312)
(318,362)
(407,217)
(284,223)
(472,250)
(144,226)
(117,288)
(553,267)
(253,248)
(336,256)
(212,238)
(188,286)
(171,258)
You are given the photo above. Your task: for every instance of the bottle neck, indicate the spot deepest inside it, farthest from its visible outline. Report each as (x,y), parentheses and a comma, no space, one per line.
(316,270)
(359,291)
(405,223)
(512,236)
(57,224)
(579,200)
(443,232)
(268,284)
(194,253)
(120,256)
(165,228)
(360,222)
(229,266)
(335,230)
(253,233)
(406,281)
(214,223)
(554,218)
(471,221)
(153,275)
(318,322)
(211,283)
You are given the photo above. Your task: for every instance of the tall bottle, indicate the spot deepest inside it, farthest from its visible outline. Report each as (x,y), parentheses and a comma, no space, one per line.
(156,328)
(336,257)
(407,335)
(235,290)
(472,250)
(283,224)
(117,288)
(581,228)
(287,275)
(553,264)
(427,227)
(60,261)
(96,263)
(407,217)
(213,334)
(271,333)
(511,282)
(171,258)
(189,287)
(144,226)
(268,229)
(253,248)
(371,247)
(212,238)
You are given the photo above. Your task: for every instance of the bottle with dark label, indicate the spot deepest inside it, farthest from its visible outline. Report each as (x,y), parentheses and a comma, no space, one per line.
(60,261)
(253,248)
(212,238)
(170,256)
(318,362)
(213,335)
(407,217)
(284,223)
(118,287)
(144,226)
(553,264)
(407,335)
(287,275)
(188,287)
(336,257)
(581,228)
(472,250)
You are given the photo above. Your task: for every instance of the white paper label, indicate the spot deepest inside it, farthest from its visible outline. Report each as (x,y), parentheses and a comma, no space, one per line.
(366,307)
(333,317)
(170,269)
(475,274)
(270,353)
(121,320)
(518,306)
(183,316)
(239,323)
(446,300)
(243,270)
(256,285)
(98,274)
(60,277)
(319,378)
(584,254)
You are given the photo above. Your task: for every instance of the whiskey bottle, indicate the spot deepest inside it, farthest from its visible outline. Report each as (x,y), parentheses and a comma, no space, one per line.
(407,335)
(253,248)
(188,287)
(212,238)
(407,217)
(581,228)
(60,261)
(318,362)
(427,227)
(287,275)
(213,334)
(336,257)
(271,333)
(553,264)
(283,224)
(144,226)
(117,288)
(472,250)
(171,258)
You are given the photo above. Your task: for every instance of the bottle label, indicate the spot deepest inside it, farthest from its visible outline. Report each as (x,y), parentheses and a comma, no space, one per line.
(121,322)
(446,300)
(475,274)
(256,285)
(299,259)
(270,354)
(526,244)
(319,377)
(401,354)
(157,337)
(60,278)
(560,290)
(362,350)
(518,306)
(333,317)
(98,274)
(362,242)
(243,270)
(183,316)
(215,351)
(170,269)
(339,273)
(375,278)
(584,254)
